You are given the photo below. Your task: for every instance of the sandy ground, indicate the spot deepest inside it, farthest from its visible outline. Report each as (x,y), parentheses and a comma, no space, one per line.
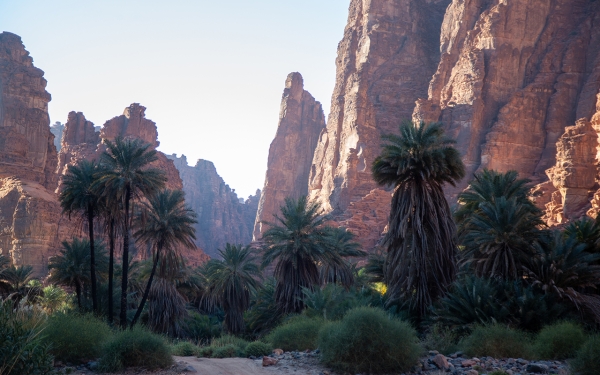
(225,366)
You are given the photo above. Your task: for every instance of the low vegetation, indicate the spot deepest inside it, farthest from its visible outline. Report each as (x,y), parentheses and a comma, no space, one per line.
(497,341)
(588,357)
(299,333)
(559,341)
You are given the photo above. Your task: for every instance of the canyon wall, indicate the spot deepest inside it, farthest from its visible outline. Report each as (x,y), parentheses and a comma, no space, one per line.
(222,218)
(301,120)
(29,209)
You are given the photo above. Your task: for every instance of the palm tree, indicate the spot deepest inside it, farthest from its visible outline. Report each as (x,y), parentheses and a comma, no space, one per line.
(420,241)
(165,223)
(342,242)
(300,242)
(16,278)
(564,269)
(231,281)
(487,186)
(586,231)
(126,175)
(71,267)
(499,238)
(78,195)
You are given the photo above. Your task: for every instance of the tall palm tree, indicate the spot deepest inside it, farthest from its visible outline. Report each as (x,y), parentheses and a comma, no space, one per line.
(499,238)
(299,242)
(586,231)
(79,196)
(127,176)
(164,223)
(71,267)
(420,241)
(231,281)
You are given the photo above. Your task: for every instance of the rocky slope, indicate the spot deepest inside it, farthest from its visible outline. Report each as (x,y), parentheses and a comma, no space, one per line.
(222,218)
(301,120)
(29,210)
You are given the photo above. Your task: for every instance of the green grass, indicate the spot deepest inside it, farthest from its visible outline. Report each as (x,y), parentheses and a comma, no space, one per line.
(135,348)
(497,341)
(258,349)
(587,360)
(185,349)
(559,341)
(75,338)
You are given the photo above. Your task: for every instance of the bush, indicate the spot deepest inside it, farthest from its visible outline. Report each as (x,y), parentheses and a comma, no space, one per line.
(441,338)
(132,348)
(227,351)
(22,351)
(258,349)
(185,349)
(224,347)
(75,338)
(229,340)
(559,341)
(367,340)
(496,341)
(200,328)
(588,357)
(299,333)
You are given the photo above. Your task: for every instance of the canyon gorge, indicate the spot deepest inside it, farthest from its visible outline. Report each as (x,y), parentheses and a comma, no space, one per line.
(516,83)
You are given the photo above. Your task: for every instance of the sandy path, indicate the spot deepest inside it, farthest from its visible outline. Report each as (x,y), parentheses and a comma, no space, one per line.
(225,366)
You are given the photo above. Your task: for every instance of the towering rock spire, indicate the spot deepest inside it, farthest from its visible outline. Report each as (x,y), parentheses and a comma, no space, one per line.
(301,120)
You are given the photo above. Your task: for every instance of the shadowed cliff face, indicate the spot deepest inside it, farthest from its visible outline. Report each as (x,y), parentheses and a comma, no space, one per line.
(222,218)
(301,120)
(29,209)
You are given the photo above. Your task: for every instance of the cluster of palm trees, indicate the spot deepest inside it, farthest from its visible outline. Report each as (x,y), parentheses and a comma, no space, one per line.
(500,236)
(123,196)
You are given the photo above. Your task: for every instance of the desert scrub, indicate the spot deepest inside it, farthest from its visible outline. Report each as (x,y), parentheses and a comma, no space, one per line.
(368,340)
(75,338)
(497,341)
(133,348)
(441,338)
(559,341)
(588,357)
(298,333)
(224,347)
(258,349)
(22,351)
(184,349)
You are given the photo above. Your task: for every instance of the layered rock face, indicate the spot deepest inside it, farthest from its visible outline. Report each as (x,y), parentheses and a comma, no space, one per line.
(386,58)
(29,210)
(221,216)
(512,76)
(301,120)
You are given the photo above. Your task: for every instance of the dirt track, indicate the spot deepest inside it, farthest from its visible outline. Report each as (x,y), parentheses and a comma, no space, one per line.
(225,366)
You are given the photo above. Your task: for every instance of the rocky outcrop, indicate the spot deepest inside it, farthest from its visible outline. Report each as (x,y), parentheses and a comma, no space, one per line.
(301,120)
(221,216)
(29,209)
(512,76)
(79,141)
(134,124)
(57,129)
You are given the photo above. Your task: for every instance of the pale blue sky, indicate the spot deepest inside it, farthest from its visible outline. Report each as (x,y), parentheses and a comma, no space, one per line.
(210,73)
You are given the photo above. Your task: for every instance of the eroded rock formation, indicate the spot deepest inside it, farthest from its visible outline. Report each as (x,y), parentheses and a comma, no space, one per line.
(512,76)
(29,210)
(221,216)
(301,120)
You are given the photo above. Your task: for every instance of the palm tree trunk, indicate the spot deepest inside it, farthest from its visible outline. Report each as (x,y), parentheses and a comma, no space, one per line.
(111,241)
(92,257)
(123,313)
(78,292)
(147,291)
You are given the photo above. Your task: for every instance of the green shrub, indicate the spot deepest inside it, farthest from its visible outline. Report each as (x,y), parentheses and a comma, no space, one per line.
(22,351)
(588,357)
(498,372)
(227,351)
(75,338)
(298,333)
(258,349)
(367,340)
(497,341)
(229,340)
(206,351)
(559,341)
(132,348)
(185,349)
(441,338)
(200,328)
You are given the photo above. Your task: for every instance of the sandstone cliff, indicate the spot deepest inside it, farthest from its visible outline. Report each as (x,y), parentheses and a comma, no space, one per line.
(301,120)
(29,210)
(512,76)
(221,216)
